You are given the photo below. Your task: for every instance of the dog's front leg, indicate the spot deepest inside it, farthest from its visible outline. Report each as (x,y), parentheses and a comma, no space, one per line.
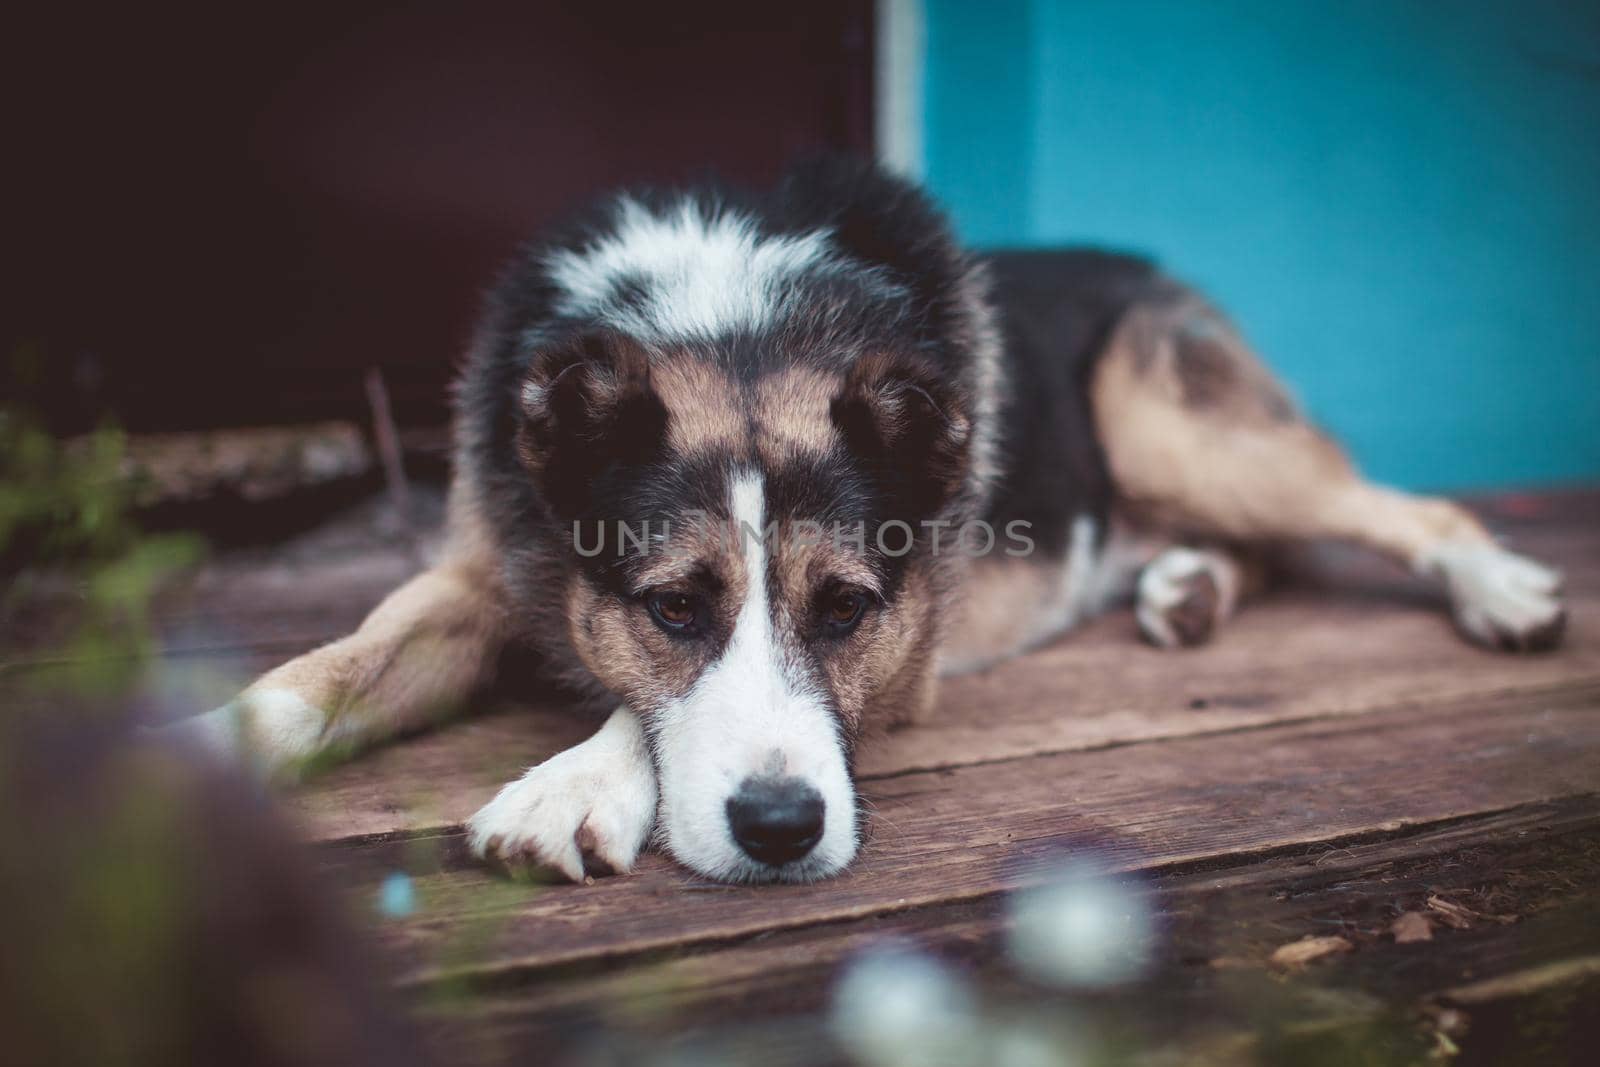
(417,659)
(595,800)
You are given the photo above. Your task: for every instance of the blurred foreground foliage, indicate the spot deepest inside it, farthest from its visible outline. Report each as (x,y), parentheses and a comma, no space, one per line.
(153,908)
(66,518)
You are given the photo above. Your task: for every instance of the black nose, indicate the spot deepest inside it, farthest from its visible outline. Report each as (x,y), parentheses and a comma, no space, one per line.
(775,820)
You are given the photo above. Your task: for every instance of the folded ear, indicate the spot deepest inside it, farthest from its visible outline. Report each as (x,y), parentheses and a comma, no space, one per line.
(909,428)
(587,407)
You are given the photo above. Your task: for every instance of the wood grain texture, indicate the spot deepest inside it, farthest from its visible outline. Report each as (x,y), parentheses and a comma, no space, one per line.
(1334,755)
(1218,926)
(1337,756)
(973,832)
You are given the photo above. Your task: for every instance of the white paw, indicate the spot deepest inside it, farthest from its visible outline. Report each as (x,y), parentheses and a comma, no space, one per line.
(1500,599)
(597,799)
(1183,593)
(273,731)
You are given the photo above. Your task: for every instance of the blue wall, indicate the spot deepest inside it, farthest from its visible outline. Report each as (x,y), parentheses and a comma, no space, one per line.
(1399,201)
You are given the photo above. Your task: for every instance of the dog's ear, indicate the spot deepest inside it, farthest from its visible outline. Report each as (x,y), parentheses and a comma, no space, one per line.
(587,407)
(908,427)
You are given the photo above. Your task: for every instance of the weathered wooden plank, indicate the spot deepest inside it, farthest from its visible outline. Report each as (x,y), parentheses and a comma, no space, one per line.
(972,832)
(660,947)
(1215,913)
(1533,864)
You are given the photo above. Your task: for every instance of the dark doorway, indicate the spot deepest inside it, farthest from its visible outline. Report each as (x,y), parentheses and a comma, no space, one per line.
(224,216)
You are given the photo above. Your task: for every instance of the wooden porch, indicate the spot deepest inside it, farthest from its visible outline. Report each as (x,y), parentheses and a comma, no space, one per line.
(1336,759)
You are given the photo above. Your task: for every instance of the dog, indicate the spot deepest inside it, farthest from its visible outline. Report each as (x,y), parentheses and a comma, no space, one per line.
(750,472)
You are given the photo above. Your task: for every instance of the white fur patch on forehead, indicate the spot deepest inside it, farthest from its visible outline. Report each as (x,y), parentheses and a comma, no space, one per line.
(702,272)
(752,632)
(747,503)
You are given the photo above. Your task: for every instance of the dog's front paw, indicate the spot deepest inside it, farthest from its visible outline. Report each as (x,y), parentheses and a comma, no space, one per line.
(594,804)
(1501,599)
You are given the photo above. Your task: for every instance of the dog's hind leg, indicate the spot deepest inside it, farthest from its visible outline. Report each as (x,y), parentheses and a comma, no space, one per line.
(417,658)
(1203,443)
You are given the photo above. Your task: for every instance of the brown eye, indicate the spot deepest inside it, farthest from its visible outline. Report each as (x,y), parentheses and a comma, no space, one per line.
(844,610)
(675,611)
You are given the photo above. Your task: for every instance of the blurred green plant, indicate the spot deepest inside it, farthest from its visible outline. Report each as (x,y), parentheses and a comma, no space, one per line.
(67,526)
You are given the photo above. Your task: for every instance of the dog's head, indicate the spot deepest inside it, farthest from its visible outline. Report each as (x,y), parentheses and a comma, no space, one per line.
(750,568)
(744,427)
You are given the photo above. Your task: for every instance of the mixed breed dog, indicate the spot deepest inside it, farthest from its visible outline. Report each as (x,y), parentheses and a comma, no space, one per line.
(749,473)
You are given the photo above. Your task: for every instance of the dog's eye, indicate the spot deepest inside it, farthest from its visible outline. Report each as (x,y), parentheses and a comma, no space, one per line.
(843,610)
(675,611)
